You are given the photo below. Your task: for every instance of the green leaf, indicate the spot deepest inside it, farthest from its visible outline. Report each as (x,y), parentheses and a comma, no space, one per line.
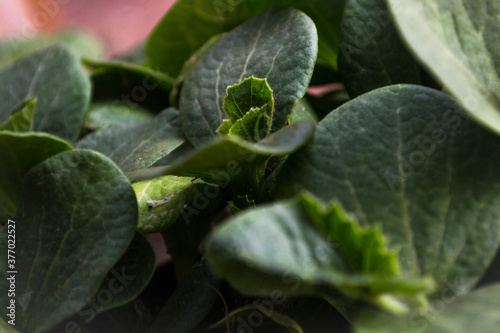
(457,41)
(56,78)
(372,54)
(324,250)
(62,255)
(260,47)
(405,158)
(162,200)
(21,119)
(128,277)
(250,107)
(19,152)
(187,26)
(246,95)
(78,42)
(474,312)
(190,303)
(291,325)
(326,14)
(231,161)
(113,114)
(138,147)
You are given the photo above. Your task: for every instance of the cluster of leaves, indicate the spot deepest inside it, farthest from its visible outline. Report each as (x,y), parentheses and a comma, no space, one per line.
(385,214)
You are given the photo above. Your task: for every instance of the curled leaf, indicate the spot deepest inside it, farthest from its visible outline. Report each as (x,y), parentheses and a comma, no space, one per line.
(250,107)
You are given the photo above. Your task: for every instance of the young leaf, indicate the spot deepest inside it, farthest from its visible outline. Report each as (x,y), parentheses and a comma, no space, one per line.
(21,119)
(56,78)
(138,147)
(405,157)
(457,41)
(19,152)
(250,107)
(325,252)
(474,312)
(88,221)
(162,200)
(260,47)
(372,54)
(187,26)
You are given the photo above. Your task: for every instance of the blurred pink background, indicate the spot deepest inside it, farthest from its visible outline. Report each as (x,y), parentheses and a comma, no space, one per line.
(121,24)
